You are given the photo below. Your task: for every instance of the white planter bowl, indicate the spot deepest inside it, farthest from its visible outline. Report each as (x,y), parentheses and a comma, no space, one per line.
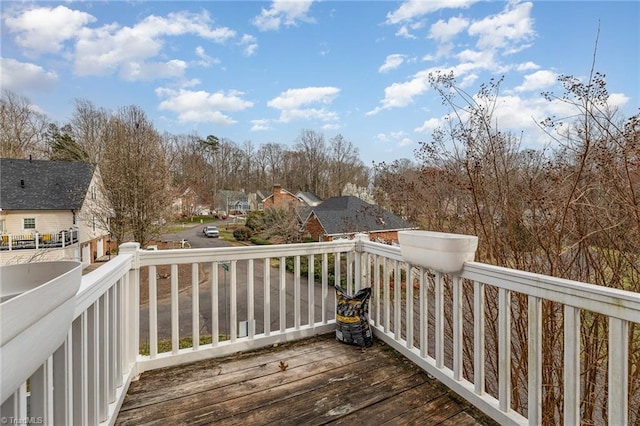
(439,251)
(37,301)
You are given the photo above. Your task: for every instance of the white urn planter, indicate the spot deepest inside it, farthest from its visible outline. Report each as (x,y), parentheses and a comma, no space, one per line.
(440,251)
(37,302)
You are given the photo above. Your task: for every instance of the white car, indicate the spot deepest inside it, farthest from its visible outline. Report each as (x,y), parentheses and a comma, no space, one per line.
(211,231)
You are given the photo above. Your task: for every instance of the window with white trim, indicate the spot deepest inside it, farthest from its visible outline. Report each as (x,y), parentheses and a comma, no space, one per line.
(29,223)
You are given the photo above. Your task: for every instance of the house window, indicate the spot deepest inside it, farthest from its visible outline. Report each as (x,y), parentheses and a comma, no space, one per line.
(29,223)
(2,226)
(93,223)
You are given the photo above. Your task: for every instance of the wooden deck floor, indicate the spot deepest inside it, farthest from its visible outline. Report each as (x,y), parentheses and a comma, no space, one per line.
(325,382)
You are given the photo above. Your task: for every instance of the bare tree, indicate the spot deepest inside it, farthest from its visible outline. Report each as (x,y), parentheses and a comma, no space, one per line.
(22,128)
(87,128)
(313,152)
(136,175)
(344,165)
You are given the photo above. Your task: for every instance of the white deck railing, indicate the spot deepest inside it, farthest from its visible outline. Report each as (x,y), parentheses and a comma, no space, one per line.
(86,379)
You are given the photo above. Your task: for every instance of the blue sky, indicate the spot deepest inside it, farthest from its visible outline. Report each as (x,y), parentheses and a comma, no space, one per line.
(264,71)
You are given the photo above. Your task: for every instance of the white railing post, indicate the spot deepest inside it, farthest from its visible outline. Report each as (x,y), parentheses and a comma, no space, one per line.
(360,271)
(504,349)
(283,295)
(311,290)
(132,310)
(534,356)
(457,328)
(478,338)
(296,292)
(175,311)
(618,380)
(571,370)
(266,305)
(215,316)
(195,306)
(62,383)
(41,383)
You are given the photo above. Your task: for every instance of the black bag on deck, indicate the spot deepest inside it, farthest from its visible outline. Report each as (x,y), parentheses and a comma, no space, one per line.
(352,317)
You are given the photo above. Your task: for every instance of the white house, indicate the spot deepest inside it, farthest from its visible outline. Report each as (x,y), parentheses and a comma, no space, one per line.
(51,210)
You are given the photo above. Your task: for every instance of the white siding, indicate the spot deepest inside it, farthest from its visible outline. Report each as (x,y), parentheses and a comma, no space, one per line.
(93,209)
(47,221)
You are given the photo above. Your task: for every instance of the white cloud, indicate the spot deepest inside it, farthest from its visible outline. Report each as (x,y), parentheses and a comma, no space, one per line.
(468,80)
(392,62)
(283,12)
(20,76)
(202,107)
(307,114)
(295,98)
(44,29)
(401,94)
(413,9)
(148,71)
(538,80)
(509,30)
(395,139)
(617,99)
(403,31)
(527,66)
(205,60)
(429,125)
(111,48)
(444,31)
(294,104)
(260,125)
(249,43)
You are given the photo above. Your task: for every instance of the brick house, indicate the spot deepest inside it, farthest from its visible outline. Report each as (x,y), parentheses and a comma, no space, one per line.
(281,199)
(342,217)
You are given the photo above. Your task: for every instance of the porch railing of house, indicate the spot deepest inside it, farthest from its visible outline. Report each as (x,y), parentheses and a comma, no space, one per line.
(86,379)
(38,240)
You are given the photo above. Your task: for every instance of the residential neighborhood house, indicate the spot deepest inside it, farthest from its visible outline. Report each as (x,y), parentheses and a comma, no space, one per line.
(231,202)
(51,210)
(189,203)
(343,217)
(281,199)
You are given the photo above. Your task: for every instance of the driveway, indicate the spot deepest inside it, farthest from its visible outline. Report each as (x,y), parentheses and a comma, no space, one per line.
(197,240)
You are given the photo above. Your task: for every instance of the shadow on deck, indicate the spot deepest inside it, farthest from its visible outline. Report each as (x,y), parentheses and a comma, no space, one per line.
(324,382)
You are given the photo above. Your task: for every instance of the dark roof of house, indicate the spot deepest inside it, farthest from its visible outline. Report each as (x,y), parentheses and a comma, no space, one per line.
(43,185)
(340,215)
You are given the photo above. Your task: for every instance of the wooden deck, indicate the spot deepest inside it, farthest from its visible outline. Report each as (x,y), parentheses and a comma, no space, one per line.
(324,382)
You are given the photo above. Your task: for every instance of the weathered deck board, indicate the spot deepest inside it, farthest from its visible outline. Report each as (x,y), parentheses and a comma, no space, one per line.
(325,383)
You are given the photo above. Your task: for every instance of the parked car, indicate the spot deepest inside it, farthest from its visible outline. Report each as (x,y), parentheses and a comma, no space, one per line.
(211,231)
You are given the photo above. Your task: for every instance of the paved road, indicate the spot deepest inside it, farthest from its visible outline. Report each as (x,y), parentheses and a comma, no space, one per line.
(197,240)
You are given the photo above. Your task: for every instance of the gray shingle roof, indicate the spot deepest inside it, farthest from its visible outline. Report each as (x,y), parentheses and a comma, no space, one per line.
(339,215)
(43,185)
